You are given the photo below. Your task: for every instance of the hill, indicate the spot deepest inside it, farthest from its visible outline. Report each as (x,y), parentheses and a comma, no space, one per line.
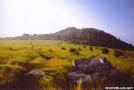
(86,36)
(92,36)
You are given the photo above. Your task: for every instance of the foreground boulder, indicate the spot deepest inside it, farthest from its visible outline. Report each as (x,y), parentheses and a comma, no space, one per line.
(94,67)
(32,80)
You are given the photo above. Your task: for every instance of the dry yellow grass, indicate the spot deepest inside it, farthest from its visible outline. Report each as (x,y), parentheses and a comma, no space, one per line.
(19,55)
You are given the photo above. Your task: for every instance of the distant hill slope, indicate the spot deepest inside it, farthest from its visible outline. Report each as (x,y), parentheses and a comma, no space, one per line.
(86,36)
(92,36)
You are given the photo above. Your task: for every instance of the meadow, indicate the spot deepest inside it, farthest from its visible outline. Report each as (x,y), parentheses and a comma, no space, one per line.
(18,57)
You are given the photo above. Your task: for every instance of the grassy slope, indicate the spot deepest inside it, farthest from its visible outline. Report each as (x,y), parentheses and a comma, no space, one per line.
(19,56)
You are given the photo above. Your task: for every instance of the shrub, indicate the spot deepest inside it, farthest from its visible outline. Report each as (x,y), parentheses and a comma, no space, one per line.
(118,53)
(91,49)
(74,51)
(79,49)
(105,51)
(63,48)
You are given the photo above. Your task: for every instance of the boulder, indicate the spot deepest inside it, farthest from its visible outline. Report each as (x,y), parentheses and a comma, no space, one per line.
(32,80)
(76,77)
(94,67)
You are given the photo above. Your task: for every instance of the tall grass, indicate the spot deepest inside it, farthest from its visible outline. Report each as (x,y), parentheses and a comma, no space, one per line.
(17,57)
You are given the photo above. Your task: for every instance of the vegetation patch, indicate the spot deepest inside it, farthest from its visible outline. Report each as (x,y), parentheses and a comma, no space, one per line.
(91,49)
(105,51)
(118,53)
(74,51)
(63,48)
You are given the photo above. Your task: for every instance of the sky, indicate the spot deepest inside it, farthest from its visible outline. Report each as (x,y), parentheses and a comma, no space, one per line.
(49,16)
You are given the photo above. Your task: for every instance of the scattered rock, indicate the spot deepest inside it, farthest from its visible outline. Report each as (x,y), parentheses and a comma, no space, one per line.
(94,67)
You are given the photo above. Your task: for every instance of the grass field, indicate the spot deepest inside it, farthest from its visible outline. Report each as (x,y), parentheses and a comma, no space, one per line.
(17,57)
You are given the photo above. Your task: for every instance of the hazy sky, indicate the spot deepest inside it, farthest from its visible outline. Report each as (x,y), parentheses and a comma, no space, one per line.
(48,16)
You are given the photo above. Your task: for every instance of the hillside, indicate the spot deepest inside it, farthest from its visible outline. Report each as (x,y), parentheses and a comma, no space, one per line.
(92,36)
(86,36)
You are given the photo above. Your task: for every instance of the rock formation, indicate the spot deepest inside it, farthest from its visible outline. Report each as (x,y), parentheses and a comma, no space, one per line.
(94,67)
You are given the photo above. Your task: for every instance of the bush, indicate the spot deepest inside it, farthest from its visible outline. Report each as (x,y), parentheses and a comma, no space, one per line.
(79,49)
(63,48)
(105,51)
(118,53)
(91,49)
(74,51)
